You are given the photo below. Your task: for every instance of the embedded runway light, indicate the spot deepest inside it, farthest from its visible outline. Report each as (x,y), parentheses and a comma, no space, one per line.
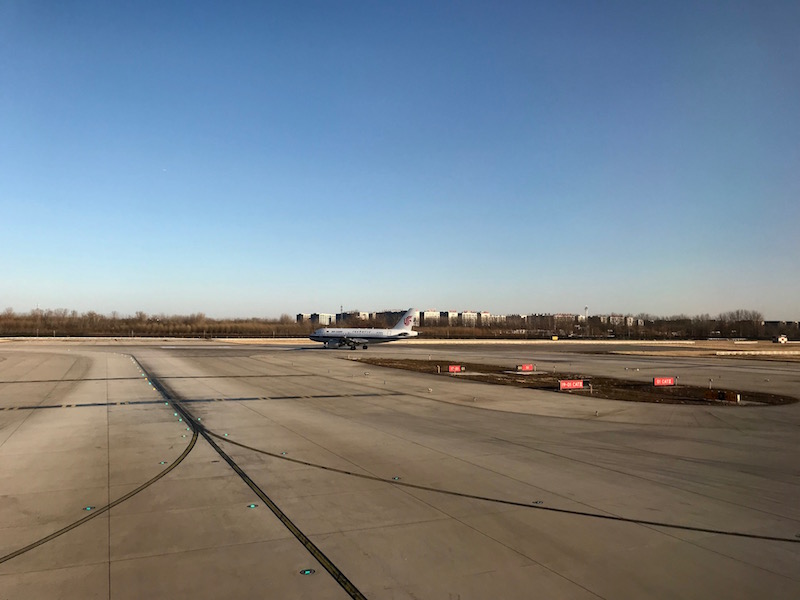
(174,414)
(537,502)
(88,508)
(187,429)
(252,505)
(226,435)
(163,462)
(396,478)
(184,435)
(283,453)
(307,572)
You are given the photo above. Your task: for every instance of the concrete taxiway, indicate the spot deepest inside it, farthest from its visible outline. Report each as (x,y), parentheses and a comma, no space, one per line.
(205,470)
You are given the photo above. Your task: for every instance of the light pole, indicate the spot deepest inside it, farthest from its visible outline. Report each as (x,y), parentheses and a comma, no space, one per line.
(586,317)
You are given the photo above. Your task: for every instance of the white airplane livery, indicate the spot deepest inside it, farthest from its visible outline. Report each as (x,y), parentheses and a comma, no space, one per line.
(336,337)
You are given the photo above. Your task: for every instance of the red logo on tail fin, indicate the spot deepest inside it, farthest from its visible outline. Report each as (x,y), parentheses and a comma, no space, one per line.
(408,320)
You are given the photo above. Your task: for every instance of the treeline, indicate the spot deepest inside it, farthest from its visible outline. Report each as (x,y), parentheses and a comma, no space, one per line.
(738,324)
(744,324)
(65,323)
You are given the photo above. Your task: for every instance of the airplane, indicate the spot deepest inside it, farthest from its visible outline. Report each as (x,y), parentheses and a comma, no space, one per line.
(336,337)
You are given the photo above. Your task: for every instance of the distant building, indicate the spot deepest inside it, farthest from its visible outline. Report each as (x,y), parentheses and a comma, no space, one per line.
(487,319)
(468,318)
(430,317)
(303,317)
(540,322)
(616,319)
(773,329)
(450,317)
(323,318)
(352,315)
(390,317)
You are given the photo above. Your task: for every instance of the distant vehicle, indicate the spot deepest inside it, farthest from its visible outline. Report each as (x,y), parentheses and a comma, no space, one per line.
(782,339)
(337,337)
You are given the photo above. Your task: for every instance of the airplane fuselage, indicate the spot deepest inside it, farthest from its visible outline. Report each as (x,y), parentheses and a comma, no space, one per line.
(374,336)
(338,337)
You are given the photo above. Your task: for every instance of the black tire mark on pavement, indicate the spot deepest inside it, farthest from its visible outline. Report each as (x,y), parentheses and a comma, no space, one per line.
(312,548)
(509,502)
(99,511)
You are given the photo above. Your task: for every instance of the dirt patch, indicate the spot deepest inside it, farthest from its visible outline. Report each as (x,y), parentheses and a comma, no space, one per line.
(595,387)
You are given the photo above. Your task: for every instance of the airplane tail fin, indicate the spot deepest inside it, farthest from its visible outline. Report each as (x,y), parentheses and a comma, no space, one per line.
(407,320)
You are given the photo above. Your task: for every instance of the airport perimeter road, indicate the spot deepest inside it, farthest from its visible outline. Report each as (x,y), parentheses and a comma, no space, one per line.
(219,471)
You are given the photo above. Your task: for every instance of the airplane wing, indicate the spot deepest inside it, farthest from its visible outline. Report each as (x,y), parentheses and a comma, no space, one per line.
(347,341)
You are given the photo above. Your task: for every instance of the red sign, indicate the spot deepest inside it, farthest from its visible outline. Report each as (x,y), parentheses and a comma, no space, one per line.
(662,381)
(570,384)
(524,367)
(455,368)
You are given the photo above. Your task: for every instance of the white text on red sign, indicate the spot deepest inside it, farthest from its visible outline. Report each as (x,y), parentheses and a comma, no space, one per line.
(570,384)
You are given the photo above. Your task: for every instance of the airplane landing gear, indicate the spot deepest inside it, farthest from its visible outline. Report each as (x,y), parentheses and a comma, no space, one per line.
(365,346)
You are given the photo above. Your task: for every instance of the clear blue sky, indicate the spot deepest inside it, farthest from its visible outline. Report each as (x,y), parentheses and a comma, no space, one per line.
(255,158)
